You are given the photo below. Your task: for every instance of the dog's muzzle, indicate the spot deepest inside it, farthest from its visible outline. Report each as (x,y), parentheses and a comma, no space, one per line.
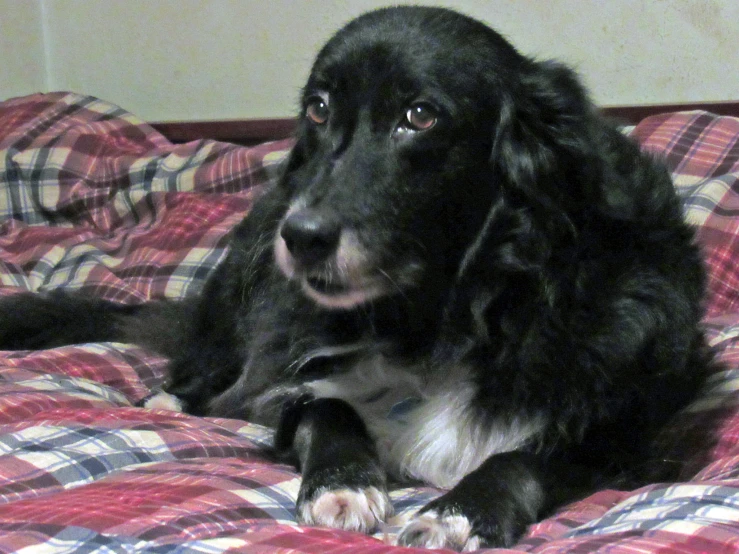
(314,248)
(311,237)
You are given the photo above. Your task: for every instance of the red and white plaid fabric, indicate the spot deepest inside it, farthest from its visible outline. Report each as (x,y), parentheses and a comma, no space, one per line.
(93,198)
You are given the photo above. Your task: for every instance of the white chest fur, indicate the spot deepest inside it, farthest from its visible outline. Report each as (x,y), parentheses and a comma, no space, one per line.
(438,436)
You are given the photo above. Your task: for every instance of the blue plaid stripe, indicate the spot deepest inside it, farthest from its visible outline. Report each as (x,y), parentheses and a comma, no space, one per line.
(678,508)
(75,455)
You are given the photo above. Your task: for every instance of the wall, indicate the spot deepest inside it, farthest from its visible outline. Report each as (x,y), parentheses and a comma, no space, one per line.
(22,65)
(215,59)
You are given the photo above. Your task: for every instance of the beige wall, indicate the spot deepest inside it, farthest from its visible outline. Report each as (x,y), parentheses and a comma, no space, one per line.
(203,59)
(22,58)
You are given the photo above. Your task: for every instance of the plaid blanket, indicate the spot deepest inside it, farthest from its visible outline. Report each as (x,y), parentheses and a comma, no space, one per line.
(92,198)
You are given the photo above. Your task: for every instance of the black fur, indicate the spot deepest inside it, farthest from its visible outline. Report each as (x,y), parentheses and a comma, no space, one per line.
(520,245)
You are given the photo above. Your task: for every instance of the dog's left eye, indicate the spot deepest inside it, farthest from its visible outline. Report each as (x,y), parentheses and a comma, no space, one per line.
(421,117)
(317,110)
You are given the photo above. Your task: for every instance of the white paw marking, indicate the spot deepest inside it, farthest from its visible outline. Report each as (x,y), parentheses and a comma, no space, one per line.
(348,509)
(431,530)
(164,401)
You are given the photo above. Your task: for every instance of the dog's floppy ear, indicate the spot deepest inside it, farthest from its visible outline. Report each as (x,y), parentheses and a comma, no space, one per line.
(547,151)
(552,145)
(543,137)
(549,140)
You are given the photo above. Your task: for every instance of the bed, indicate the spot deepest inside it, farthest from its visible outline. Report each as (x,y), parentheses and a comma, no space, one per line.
(93,198)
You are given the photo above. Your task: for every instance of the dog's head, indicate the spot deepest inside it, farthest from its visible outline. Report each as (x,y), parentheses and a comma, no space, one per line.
(415,123)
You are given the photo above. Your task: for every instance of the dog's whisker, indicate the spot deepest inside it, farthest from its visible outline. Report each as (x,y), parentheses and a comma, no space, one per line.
(250,270)
(392,281)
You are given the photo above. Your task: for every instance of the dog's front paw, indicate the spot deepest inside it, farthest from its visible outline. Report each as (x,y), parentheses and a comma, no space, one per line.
(431,529)
(361,510)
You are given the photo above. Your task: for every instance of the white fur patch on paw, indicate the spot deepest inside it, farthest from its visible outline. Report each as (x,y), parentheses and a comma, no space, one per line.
(348,509)
(164,401)
(432,530)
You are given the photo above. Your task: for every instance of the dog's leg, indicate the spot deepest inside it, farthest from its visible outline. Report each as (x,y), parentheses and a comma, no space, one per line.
(344,485)
(493,505)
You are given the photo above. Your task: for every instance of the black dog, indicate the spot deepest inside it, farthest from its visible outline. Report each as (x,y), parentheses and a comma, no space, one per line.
(465,276)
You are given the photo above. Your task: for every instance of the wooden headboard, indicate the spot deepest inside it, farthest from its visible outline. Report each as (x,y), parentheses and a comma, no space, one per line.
(254,131)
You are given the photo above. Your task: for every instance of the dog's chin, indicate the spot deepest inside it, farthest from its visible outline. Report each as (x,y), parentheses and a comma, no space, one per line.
(341,296)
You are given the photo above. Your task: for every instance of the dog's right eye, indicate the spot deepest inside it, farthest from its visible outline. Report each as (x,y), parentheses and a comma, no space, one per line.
(421,117)
(317,110)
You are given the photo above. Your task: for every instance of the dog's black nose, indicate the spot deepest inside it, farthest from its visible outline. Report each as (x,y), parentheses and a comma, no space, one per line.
(311,236)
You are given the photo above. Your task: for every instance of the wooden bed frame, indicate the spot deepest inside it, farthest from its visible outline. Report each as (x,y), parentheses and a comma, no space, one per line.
(249,132)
